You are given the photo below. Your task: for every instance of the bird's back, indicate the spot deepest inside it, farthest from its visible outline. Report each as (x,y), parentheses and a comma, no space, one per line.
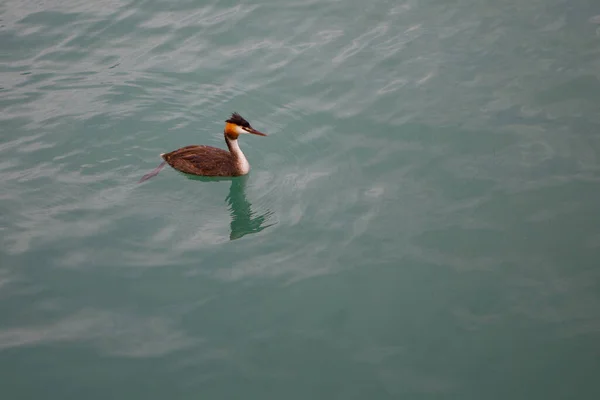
(202,160)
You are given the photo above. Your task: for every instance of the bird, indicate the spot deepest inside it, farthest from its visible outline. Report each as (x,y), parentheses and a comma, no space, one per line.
(210,161)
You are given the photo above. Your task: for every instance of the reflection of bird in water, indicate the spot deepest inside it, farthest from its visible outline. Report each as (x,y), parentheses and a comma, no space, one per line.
(243,220)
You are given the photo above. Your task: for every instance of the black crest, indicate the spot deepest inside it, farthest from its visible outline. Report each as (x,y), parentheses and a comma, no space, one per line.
(238,120)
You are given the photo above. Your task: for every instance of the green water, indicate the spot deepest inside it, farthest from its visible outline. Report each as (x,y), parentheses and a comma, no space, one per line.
(421,222)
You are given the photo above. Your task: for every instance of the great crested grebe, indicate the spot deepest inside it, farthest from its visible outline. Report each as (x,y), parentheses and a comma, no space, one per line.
(211,161)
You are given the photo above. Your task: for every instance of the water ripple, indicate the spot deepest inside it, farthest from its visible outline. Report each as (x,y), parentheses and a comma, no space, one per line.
(416,150)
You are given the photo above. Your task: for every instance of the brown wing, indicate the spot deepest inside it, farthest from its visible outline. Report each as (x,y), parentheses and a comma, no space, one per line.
(201,160)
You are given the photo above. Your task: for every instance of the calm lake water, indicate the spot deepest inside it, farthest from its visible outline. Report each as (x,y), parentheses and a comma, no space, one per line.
(421,222)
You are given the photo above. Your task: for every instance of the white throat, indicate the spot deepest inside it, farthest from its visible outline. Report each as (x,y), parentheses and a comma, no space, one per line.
(239,156)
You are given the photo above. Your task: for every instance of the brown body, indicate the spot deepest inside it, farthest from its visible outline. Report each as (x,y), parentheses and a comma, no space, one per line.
(204,161)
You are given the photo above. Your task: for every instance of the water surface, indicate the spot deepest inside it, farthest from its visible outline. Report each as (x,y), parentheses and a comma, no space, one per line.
(421,221)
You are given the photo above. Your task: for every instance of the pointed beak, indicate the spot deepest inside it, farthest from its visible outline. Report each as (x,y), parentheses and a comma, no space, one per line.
(254,131)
